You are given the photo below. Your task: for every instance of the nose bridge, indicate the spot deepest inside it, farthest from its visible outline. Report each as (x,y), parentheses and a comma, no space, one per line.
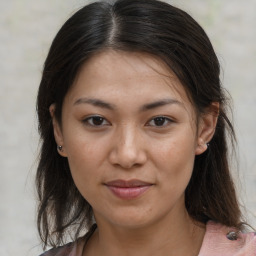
(128,149)
(128,140)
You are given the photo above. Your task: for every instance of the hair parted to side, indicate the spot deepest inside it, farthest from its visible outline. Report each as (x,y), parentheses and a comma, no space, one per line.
(148,26)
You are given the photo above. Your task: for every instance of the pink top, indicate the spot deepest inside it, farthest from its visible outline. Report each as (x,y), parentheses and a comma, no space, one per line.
(215,243)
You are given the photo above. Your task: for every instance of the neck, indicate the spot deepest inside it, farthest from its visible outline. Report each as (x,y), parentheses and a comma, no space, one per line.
(180,237)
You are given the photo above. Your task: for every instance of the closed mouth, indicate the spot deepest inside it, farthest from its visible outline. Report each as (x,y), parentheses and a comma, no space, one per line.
(128,189)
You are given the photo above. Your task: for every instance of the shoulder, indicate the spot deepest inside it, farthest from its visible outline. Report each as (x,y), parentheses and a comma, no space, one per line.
(226,241)
(70,249)
(64,250)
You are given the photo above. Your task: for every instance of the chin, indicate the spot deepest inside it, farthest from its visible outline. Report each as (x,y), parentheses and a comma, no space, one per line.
(134,219)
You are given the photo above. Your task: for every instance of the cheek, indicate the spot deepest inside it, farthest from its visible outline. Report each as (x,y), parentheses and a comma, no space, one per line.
(180,146)
(176,160)
(84,170)
(84,157)
(82,149)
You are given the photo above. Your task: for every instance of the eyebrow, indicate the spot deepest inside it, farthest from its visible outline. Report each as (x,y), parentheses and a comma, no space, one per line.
(95,102)
(106,105)
(160,103)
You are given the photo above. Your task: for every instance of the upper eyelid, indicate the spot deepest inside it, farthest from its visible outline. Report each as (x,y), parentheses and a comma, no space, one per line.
(105,119)
(92,116)
(171,120)
(166,117)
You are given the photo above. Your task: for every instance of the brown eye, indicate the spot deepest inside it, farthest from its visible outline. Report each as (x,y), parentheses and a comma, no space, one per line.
(96,121)
(160,121)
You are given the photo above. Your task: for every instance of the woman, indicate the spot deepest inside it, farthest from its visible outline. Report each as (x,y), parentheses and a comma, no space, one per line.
(131,98)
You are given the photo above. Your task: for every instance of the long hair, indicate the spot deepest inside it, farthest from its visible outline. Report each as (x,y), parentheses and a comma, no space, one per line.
(148,26)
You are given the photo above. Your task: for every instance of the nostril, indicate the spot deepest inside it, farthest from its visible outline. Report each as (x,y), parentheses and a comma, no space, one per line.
(127,150)
(127,160)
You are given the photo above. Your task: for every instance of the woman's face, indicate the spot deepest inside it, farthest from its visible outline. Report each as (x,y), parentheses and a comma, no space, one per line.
(130,135)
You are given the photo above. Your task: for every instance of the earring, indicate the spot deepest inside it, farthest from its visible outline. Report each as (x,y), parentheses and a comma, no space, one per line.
(59,147)
(232,235)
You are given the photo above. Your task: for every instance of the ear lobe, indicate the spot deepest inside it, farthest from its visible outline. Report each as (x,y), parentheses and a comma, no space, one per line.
(57,132)
(207,126)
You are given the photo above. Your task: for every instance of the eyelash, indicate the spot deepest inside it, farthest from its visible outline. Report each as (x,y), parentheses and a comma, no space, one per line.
(103,122)
(87,120)
(167,121)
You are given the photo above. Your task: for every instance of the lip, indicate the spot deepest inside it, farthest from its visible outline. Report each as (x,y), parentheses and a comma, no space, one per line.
(128,189)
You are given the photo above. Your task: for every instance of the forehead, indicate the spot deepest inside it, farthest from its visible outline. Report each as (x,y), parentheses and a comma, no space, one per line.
(130,63)
(117,73)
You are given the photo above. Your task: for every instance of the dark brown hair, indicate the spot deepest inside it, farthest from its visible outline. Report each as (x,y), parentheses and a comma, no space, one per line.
(161,30)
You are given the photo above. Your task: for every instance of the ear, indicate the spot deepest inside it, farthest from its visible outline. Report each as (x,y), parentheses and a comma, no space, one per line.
(57,132)
(206,127)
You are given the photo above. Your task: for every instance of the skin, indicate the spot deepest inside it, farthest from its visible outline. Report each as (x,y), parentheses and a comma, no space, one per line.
(129,142)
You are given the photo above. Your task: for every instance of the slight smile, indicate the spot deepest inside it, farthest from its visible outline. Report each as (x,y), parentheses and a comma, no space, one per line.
(128,189)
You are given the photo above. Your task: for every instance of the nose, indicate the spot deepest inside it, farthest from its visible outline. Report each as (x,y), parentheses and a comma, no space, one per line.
(128,149)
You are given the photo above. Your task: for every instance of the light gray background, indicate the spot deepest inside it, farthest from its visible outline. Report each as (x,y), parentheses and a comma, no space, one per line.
(26,30)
